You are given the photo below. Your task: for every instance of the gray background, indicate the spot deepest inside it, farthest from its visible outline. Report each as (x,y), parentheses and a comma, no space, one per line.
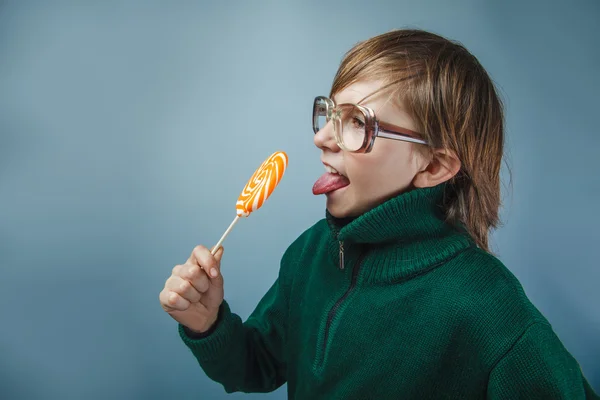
(128,129)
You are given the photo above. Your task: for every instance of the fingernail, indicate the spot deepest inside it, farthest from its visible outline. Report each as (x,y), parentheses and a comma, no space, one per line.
(213,272)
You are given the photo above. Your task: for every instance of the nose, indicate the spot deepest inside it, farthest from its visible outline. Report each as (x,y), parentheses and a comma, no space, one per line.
(325,138)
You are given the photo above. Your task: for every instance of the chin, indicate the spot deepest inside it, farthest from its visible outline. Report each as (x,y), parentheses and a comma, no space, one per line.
(335,209)
(342,210)
(336,213)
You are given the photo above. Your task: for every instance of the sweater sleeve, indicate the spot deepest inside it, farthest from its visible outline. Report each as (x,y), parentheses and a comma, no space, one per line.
(538,366)
(245,356)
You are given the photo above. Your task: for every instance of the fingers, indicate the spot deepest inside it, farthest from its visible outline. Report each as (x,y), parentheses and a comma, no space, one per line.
(185,288)
(198,281)
(173,301)
(195,275)
(203,258)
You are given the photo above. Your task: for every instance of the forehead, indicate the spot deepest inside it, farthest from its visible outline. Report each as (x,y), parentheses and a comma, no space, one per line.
(358,92)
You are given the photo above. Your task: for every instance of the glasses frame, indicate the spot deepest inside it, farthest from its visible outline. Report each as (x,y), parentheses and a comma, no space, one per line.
(373,127)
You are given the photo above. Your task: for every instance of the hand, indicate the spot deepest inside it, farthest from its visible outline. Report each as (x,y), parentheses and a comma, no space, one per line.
(194,291)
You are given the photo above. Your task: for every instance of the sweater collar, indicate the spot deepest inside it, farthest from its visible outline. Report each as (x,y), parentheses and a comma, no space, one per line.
(403,236)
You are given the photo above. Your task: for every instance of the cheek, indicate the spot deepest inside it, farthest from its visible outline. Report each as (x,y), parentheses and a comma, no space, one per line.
(364,173)
(383,171)
(398,171)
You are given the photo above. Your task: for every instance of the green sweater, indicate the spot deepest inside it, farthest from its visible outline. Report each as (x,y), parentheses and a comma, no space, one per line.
(393,304)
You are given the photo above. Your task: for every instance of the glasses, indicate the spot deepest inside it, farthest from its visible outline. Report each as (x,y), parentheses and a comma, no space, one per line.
(356,127)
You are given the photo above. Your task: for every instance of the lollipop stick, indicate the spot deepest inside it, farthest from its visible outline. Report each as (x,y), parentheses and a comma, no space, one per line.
(214,249)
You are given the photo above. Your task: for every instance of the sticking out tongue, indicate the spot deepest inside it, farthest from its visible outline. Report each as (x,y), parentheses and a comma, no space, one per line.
(329,182)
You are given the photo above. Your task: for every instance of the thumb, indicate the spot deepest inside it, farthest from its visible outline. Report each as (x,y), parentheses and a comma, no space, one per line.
(219,254)
(215,273)
(218,279)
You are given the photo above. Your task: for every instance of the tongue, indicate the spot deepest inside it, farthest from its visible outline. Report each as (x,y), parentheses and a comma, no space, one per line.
(329,182)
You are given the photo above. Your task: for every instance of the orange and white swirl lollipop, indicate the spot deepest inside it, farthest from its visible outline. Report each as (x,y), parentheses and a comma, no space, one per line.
(258,189)
(261,184)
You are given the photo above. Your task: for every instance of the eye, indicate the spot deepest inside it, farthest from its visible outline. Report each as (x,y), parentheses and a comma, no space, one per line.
(357,123)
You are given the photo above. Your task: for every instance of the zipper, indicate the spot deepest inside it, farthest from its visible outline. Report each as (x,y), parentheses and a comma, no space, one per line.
(342,255)
(338,303)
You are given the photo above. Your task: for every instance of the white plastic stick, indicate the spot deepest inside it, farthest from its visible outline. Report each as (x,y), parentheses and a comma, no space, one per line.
(220,242)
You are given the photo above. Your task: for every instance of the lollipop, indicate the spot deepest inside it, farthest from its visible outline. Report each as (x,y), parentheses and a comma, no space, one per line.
(258,189)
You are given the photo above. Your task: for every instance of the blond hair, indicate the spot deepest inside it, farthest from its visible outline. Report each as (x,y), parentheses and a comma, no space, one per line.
(454,105)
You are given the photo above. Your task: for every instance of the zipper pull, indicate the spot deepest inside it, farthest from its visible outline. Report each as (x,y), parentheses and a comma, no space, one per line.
(341,255)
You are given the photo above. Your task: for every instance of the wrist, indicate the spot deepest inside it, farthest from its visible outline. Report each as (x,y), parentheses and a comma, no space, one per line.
(206,330)
(207,327)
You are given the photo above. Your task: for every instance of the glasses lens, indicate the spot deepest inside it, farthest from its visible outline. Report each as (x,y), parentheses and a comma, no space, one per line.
(319,114)
(351,127)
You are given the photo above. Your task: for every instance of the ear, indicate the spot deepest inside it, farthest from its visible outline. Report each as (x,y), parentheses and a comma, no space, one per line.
(443,166)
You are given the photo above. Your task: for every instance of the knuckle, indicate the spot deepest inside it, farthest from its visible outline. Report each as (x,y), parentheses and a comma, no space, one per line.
(199,249)
(169,282)
(203,284)
(184,285)
(174,300)
(188,271)
(185,266)
(193,272)
(164,299)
